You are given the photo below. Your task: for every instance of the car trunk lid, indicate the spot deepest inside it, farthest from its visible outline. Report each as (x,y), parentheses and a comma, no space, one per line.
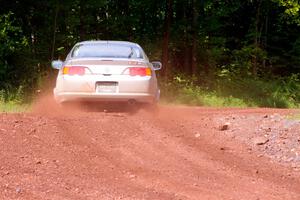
(106,66)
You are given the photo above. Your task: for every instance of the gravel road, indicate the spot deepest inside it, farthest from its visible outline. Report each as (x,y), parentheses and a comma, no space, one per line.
(175,153)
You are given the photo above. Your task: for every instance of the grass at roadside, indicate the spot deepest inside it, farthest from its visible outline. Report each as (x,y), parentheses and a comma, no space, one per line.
(195,96)
(226,92)
(14,100)
(13,107)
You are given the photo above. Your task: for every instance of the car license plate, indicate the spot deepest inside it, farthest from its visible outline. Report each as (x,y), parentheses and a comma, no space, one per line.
(106,87)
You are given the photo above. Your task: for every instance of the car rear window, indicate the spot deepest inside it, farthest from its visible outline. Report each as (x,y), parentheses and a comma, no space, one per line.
(106,50)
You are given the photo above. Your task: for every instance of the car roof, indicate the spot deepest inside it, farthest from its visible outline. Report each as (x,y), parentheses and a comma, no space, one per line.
(108,42)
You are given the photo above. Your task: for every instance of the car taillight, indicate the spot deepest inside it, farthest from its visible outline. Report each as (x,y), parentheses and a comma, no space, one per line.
(74,70)
(138,71)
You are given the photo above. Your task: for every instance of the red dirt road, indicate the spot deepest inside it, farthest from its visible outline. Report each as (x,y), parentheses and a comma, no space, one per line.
(178,153)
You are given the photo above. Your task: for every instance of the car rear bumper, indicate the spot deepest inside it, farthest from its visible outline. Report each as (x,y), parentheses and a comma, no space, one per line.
(122,97)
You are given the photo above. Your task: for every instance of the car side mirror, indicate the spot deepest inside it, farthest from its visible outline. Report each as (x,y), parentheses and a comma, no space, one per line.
(156,65)
(57,64)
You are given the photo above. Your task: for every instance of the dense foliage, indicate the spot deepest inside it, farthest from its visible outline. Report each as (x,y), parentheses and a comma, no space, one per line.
(206,41)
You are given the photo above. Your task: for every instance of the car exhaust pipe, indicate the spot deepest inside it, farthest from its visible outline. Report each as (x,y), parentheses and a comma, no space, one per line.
(131,102)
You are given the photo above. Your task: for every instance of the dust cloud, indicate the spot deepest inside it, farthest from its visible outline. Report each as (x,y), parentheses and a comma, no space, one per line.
(46,105)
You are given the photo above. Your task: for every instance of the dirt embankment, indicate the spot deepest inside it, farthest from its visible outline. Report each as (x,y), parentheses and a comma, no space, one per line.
(177,153)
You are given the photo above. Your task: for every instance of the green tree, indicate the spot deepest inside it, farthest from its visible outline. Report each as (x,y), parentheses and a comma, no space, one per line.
(12,42)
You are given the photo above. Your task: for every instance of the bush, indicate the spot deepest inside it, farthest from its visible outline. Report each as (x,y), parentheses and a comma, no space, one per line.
(18,73)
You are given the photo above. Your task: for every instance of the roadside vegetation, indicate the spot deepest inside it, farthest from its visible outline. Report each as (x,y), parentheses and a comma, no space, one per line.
(13,101)
(214,52)
(233,92)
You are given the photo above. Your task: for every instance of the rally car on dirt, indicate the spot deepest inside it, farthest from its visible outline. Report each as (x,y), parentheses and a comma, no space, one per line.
(106,71)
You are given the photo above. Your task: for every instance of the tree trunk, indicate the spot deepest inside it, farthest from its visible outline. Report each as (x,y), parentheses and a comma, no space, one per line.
(81,21)
(187,44)
(54,32)
(266,35)
(166,37)
(257,37)
(195,37)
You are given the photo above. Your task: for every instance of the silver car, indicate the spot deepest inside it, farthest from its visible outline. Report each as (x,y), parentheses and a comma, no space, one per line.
(106,71)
